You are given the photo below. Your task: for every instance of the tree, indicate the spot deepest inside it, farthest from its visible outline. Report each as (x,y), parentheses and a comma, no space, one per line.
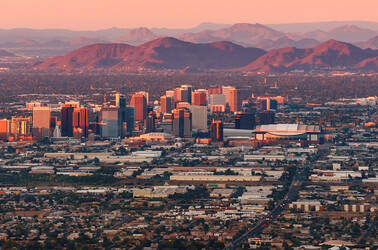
(96,160)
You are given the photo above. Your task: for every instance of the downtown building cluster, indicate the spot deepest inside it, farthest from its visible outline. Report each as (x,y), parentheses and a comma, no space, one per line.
(216,114)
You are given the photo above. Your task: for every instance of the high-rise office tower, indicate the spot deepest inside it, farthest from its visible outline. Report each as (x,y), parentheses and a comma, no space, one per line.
(214,90)
(21,126)
(117,121)
(268,104)
(4,129)
(74,120)
(183,105)
(217,99)
(53,124)
(166,104)
(245,120)
(199,117)
(226,91)
(67,119)
(126,118)
(139,102)
(216,131)
(267,117)
(180,95)
(170,93)
(109,126)
(149,122)
(80,122)
(199,98)
(182,123)
(117,99)
(188,90)
(217,103)
(122,101)
(273,104)
(41,122)
(129,121)
(146,94)
(232,98)
(183,94)
(248,106)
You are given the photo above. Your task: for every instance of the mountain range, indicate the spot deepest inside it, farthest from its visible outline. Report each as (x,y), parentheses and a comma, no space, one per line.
(161,53)
(331,54)
(172,54)
(58,42)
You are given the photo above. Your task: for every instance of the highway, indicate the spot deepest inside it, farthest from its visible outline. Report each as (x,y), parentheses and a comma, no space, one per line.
(264,222)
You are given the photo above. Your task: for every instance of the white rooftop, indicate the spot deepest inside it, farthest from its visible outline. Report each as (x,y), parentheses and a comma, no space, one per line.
(287,128)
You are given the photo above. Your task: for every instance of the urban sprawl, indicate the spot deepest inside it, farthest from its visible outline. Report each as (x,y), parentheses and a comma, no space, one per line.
(214,168)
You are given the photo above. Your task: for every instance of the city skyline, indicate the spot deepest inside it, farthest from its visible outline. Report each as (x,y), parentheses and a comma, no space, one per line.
(179,125)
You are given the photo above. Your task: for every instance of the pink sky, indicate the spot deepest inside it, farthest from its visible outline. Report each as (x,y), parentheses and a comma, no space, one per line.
(98,14)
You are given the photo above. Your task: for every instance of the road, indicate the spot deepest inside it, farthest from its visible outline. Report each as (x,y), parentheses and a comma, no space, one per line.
(264,222)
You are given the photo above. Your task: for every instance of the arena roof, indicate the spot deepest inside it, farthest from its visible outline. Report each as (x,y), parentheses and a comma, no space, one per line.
(287,129)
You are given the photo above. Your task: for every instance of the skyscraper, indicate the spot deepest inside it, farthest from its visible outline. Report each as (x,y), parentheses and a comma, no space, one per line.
(149,123)
(188,90)
(4,129)
(117,121)
(41,122)
(232,98)
(267,117)
(199,98)
(146,94)
(74,120)
(166,104)
(182,123)
(170,93)
(214,90)
(199,117)
(180,95)
(126,119)
(109,122)
(268,104)
(21,127)
(80,122)
(183,94)
(216,131)
(66,119)
(117,99)
(273,104)
(245,120)
(139,102)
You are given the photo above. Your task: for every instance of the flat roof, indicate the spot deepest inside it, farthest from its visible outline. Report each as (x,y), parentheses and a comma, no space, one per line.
(287,129)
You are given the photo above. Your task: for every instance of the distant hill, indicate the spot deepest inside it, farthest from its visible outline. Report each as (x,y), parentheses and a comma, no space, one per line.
(351,33)
(285,42)
(161,53)
(345,33)
(137,36)
(20,43)
(306,27)
(262,36)
(371,43)
(4,53)
(241,33)
(83,41)
(328,55)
